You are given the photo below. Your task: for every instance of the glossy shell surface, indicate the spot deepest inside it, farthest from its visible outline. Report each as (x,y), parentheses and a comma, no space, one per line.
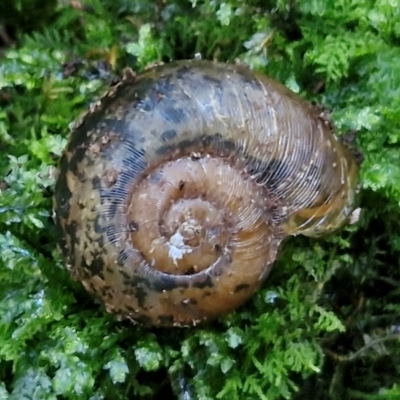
(177,188)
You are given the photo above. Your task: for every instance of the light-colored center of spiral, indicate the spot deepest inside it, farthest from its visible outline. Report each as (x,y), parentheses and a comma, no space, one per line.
(195,233)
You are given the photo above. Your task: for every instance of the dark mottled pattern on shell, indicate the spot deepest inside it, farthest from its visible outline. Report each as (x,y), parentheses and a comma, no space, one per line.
(193,109)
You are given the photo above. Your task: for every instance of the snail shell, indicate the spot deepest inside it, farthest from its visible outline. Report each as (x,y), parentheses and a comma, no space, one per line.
(177,188)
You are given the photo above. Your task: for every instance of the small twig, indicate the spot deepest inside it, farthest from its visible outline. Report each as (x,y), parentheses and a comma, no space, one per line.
(351,357)
(359,306)
(4,36)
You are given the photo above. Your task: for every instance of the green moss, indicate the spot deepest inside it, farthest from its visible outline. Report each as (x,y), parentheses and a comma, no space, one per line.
(326,322)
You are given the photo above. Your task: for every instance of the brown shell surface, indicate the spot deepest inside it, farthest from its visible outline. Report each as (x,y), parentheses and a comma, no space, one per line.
(177,188)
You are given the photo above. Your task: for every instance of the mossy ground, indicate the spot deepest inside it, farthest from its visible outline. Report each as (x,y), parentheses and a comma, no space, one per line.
(325,325)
